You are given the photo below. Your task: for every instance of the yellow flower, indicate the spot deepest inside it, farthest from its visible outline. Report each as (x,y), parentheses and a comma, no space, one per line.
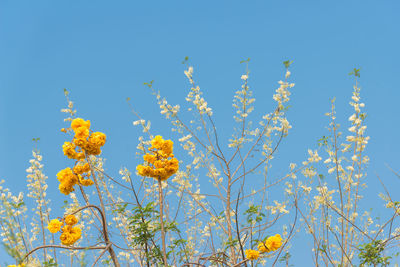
(78,122)
(92,148)
(81,142)
(69,150)
(19,265)
(80,156)
(252,254)
(79,169)
(167,147)
(67,239)
(67,181)
(97,139)
(71,220)
(81,133)
(85,182)
(54,226)
(161,163)
(149,158)
(262,247)
(156,142)
(70,235)
(274,242)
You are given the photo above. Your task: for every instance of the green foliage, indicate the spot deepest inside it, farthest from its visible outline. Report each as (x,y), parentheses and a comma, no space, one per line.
(178,246)
(287,63)
(254,214)
(141,225)
(355,72)
(149,84)
(323,141)
(185,60)
(65,204)
(371,254)
(120,208)
(285,258)
(230,243)
(245,61)
(66,93)
(51,263)
(144,226)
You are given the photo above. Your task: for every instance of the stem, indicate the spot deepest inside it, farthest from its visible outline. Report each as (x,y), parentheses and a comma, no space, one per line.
(160,194)
(61,246)
(106,237)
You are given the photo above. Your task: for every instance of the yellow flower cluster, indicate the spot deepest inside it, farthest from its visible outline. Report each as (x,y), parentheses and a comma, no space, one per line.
(161,163)
(83,173)
(84,141)
(54,226)
(19,265)
(252,254)
(69,234)
(271,244)
(67,180)
(71,220)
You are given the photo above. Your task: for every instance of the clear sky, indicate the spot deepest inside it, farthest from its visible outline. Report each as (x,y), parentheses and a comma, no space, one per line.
(103,52)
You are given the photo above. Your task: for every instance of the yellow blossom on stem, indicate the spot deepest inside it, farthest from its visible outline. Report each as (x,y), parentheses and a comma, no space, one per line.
(67,180)
(161,163)
(85,182)
(54,226)
(78,122)
(262,247)
(274,242)
(82,133)
(97,139)
(69,150)
(79,169)
(81,142)
(252,254)
(71,220)
(70,235)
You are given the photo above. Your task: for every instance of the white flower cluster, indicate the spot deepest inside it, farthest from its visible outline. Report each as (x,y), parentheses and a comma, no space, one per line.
(13,218)
(242,101)
(314,157)
(195,97)
(36,182)
(278,207)
(146,126)
(282,93)
(69,110)
(324,197)
(126,174)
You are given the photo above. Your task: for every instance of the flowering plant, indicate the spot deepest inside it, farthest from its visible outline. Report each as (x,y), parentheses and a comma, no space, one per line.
(162,215)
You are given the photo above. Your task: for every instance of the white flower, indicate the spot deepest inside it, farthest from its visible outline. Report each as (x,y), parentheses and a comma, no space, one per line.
(287,75)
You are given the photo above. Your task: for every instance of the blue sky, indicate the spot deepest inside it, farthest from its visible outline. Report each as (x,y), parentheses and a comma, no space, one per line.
(104,51)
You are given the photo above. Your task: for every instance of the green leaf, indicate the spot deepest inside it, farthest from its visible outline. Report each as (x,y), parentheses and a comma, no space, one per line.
(287,63)
(245,61)
(149,84)
(355,72)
